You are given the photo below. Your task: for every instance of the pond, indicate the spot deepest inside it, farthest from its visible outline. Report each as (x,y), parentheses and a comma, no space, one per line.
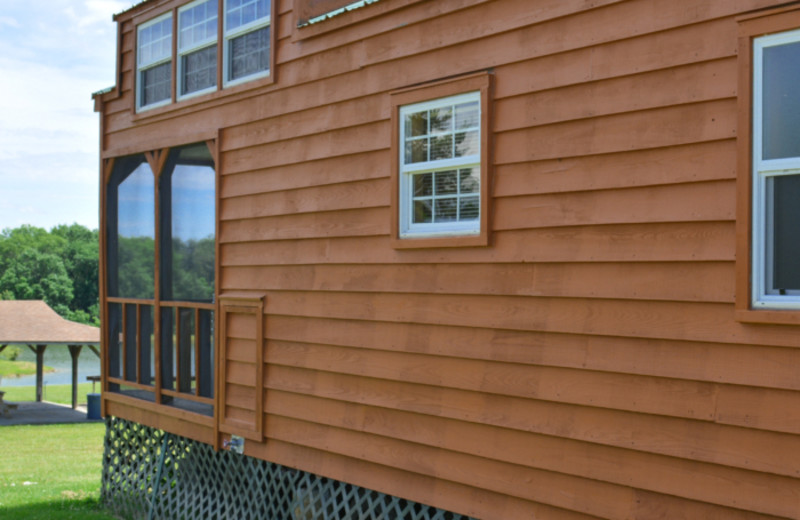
(57,357)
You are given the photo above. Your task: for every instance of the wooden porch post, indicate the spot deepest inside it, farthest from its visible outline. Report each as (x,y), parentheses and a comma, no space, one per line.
(75,351)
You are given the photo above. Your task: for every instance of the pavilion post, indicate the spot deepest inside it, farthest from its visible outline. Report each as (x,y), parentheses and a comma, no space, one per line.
(74,352)
(39,371)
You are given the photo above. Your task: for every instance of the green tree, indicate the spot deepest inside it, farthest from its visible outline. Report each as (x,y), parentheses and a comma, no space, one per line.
(35,275)
(80,256)
(136,267)
(59,267)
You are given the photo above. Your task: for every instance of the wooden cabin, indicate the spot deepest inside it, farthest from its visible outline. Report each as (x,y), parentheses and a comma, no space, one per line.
(512,259)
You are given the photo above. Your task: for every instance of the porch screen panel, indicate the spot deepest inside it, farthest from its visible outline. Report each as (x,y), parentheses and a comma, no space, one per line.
(130,253)
(161,264)
(131,229)
(187,223)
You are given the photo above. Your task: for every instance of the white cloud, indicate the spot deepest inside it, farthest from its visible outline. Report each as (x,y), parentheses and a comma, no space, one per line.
(53,54)
(8,21)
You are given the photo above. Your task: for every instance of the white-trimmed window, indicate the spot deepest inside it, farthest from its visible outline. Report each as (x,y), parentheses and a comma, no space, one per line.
(776,172)
(197,48)
(247,40)
(440,161)
(154,63)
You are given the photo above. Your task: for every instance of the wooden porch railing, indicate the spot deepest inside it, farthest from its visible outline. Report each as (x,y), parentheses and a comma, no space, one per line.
(161,351)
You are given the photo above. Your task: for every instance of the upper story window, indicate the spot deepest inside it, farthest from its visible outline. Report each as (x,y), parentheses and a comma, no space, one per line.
(247,39)
(238,29)
(776,172)
(197,47)
(154,63)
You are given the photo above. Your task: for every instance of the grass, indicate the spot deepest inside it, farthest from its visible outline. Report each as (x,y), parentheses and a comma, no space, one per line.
(52,472)
(61,394)
(18,368)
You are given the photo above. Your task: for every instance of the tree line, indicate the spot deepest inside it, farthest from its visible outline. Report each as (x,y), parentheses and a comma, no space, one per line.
(187,269)
(59,266)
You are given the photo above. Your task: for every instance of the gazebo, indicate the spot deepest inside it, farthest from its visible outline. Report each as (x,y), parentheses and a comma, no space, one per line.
(35,324)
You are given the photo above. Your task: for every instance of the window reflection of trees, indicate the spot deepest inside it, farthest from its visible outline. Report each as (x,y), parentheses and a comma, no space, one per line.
(188,225)
(432,135)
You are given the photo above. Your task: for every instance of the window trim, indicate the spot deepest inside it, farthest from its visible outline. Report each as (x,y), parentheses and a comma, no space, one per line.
(426,95)
(140,68)
(763,170)
(181,52)
(749,216)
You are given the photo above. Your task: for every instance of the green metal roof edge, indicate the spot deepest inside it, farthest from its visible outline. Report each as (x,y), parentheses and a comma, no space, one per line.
(337,12)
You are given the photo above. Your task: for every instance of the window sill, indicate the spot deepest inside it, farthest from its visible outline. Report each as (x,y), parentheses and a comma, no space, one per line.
(481,240)
(769,316)
(217,95)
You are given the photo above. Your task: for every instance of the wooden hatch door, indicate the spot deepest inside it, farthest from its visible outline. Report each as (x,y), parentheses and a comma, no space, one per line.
(241,366)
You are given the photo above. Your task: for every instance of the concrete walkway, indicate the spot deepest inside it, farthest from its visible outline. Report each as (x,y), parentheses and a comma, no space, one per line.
(44,413)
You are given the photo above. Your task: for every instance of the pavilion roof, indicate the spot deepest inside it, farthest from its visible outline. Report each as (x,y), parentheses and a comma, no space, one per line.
(34,322)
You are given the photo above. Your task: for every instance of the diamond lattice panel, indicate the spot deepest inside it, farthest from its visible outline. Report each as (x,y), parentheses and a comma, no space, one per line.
(195,482)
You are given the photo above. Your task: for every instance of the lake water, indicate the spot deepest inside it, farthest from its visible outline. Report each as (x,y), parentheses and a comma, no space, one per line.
(57,357)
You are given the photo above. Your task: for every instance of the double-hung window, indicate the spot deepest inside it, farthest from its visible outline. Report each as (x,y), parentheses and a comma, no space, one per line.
(247,40)
(440,166)
(154,63)
(197,48)
(775,238)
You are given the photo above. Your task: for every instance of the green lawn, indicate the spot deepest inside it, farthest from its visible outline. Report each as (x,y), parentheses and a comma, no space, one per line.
(61,394)
(19,368)
(51,472)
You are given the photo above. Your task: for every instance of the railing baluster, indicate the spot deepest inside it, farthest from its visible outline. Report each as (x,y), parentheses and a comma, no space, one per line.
(177,347)
(138,343)
(124,374)
(196,351)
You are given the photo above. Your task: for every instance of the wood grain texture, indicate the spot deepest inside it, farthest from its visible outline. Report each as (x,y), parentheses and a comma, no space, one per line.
(665,242)
(705,282)
(706,482)
(748,365)
(686,439)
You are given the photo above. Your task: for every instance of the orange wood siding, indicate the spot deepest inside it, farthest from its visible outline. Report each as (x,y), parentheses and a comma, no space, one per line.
(588,362)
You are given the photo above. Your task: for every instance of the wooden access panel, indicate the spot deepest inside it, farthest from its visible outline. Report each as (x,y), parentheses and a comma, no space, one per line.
(241,369)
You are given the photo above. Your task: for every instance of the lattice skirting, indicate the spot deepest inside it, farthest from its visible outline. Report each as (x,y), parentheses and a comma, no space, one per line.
(148,474)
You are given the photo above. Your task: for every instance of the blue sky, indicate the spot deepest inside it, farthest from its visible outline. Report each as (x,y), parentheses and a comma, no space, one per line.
(53,55)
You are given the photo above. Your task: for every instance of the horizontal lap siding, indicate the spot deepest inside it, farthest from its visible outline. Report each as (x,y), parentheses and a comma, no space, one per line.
(587,363)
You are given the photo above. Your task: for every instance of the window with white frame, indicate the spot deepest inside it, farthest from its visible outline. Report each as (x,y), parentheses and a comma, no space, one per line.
(154,62)
(776,172)
(197,48)
(440,161)
(247,40)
